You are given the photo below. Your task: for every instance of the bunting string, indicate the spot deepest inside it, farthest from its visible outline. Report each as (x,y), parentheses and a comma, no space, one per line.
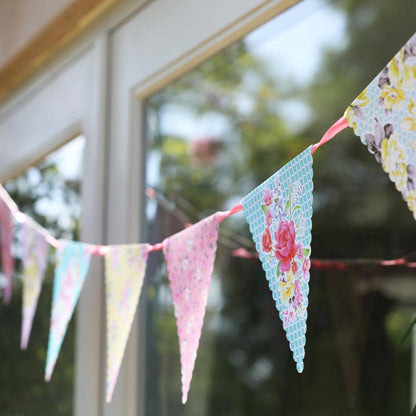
(279,215)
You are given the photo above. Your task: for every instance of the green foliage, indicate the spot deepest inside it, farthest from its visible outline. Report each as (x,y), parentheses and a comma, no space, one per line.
(23,390)
(353,365)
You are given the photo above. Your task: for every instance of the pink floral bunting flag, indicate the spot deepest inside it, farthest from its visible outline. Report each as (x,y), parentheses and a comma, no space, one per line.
(6,236)
(384,117)
(190,257)
(34,258)
(279,214)
(73,260)
(125,267)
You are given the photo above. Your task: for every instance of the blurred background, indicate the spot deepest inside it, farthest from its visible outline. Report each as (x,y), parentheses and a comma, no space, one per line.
(212,136)
(222,129)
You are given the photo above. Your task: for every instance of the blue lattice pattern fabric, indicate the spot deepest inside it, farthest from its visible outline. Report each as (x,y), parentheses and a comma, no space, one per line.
(279,214)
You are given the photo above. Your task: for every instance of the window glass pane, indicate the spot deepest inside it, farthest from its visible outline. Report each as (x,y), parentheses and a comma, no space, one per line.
(50,193)
(222,129)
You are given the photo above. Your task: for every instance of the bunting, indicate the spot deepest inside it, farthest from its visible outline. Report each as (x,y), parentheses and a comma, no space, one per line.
(279,214)
(125,267)
(6,236)
(34,258)
(73,261)
(384,117)
(190,257)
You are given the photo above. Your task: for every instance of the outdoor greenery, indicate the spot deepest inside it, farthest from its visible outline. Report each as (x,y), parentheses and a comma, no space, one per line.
(23,390)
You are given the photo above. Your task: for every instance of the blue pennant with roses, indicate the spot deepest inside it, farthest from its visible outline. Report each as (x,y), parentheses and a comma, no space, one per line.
(279,214)
(384,117)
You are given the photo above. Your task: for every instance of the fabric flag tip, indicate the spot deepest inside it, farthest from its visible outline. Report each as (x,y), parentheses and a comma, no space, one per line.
(73,259)
(279,214)
(384,117)
(48,376)
(6,238)
(190,256)
(24,343)
(34,259)
(125,267)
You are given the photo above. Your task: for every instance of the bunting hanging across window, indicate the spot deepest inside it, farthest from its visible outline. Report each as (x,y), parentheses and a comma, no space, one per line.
(190,257)
(35,259)
(384,117)
(6,238)
(73,260)
(279,214)
(125,267)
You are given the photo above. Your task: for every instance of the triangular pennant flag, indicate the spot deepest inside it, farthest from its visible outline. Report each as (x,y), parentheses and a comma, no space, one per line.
(7,262)
(73,260)
(125,267)
(384,117)
(190,257)
(279,214)
(34,258)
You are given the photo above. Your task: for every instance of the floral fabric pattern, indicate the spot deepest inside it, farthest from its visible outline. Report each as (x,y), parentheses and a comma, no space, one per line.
(6,238)
(190,257)
(35,259)
(384,117)
(279,214)
(73,260)
(125,267)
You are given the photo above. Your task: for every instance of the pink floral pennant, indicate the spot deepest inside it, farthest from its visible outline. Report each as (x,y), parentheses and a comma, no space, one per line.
(125,267)
(34,258)
(190,257)
(279,214)
(73,260)
(6,236)
(384,117)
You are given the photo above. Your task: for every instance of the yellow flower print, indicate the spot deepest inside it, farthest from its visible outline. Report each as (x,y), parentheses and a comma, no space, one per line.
(31,275)
(400,72)
(409,123)
(350,116)
(355,111)
(394,161)
(399,177)
(392,97)
(287,288)
(411,200)
(362,100)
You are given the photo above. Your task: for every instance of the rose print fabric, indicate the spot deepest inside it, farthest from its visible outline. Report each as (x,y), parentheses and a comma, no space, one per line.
(125,267)
(384,117)
(6,238)
(34,258)
(73,260)
(279,214)
(190,257)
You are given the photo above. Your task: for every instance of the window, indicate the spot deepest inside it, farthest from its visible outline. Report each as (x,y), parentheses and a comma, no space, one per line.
(219,131)
(50,193)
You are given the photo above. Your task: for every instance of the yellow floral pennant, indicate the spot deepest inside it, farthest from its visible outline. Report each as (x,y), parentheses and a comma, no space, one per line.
(125,267)
(384,117)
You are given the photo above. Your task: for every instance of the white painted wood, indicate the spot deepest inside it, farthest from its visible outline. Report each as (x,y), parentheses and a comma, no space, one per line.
(21,20)
(39,122)
(90,348)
